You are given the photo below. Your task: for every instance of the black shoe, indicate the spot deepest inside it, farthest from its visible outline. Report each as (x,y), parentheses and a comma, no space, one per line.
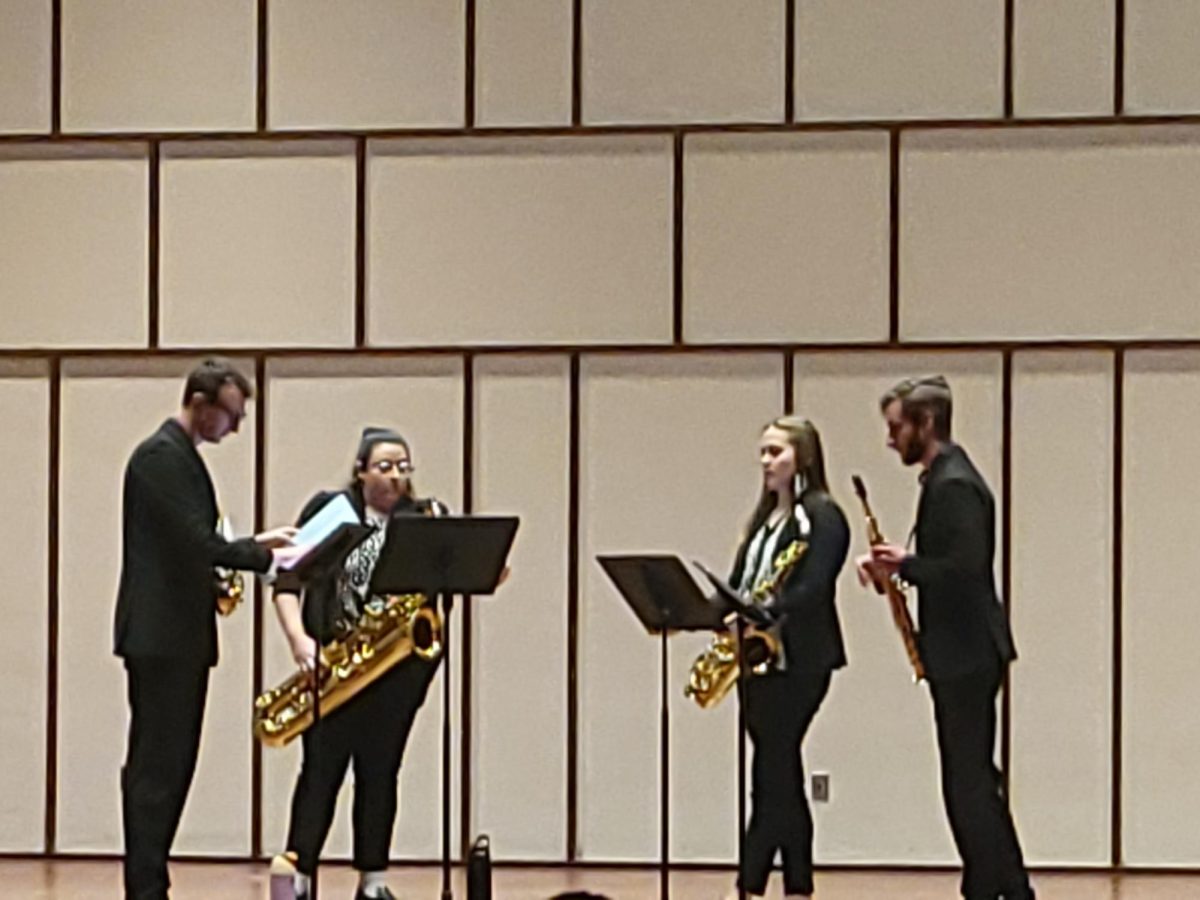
(386,895)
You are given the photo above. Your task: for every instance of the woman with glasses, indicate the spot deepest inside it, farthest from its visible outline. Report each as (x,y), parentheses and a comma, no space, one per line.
(372,729)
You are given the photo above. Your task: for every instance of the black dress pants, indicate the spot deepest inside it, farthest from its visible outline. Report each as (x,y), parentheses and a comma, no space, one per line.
(166,704)
(779,709)
(371,730)
(976,806)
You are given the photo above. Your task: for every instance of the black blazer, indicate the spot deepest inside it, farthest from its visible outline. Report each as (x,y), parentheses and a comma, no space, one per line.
(812,634)
(322,609)
(166,602)
(962,626)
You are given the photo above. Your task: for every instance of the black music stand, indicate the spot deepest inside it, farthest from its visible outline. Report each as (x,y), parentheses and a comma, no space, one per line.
(728,598)
(746,614)
(665,598)
(442,556)
(328,554)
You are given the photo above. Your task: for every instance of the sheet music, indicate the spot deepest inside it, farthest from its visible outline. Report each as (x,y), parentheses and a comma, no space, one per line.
(329,518)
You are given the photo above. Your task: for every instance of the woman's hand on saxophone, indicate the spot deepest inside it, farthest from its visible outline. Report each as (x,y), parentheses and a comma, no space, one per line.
(305,651)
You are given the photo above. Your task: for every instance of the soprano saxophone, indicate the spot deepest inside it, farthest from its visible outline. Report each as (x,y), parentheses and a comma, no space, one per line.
(893,587)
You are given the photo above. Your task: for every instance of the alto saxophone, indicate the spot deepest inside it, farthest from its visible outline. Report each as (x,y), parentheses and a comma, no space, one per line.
(382,637)
(715,671)
(893,587)
(231,587)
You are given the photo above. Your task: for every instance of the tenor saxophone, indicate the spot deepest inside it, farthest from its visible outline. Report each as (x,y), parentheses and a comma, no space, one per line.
(382,637)
(893,587)
(715,671)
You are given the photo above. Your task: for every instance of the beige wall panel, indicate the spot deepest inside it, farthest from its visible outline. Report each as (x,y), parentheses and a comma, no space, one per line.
(1160,721)
(24,495)
(682,61)
(893,59)
(1162,67)
(523,62)
(560,240)
(365,63)
(1061,763)
(519,667)
(1063,57)
(107,410)
(158,65)
(259,249)
(786,238)
(317,410)
(73,248)
(874,734)
(1050,234)
(668,463)
(25,66)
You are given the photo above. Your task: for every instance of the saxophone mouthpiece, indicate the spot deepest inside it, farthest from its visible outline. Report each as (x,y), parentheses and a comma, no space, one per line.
(859,487)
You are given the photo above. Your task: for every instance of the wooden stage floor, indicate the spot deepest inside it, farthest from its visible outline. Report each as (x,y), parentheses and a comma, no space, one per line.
(91,880)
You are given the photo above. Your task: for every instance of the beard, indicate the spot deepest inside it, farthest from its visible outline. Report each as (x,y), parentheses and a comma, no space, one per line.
(914,450)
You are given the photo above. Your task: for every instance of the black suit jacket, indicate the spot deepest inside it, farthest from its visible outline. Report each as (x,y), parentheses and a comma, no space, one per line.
(963,627)
(166,602)
(812,633)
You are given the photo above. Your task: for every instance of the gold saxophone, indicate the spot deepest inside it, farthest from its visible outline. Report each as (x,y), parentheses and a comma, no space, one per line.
(231,587)
(893,587)
(231,591)
(382,637)
(715,671)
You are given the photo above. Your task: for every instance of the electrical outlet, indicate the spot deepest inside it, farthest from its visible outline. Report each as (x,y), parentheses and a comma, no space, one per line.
(820,787)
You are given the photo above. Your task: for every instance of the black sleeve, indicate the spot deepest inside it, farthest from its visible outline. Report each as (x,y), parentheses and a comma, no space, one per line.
(816,580)
(958,517)
(154,476)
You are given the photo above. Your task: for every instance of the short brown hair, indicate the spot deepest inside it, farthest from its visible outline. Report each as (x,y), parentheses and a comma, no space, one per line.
(213,374)
(923,397)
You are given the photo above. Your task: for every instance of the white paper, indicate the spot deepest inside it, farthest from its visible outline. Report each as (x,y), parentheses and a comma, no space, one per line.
(329,518)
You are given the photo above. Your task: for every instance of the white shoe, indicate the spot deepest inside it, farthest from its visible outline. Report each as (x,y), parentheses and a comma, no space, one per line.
(283,877)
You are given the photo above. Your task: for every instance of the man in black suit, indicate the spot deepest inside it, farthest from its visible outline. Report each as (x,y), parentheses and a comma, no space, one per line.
(165,627)
(964,638)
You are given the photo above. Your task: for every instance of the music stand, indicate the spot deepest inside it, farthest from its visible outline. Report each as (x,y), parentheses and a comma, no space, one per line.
(328,554)
(733,603)
(442,556)
(754,615)
(664,597)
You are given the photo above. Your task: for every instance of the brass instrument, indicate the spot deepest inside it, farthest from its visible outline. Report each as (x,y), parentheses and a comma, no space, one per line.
(231,587)
(715,671)
(893,587)
(231,591)
(382,637)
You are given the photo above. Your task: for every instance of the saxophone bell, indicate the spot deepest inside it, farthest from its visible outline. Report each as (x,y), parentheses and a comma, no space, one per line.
(762,650)
(231,591)
(231,587)
(426,628)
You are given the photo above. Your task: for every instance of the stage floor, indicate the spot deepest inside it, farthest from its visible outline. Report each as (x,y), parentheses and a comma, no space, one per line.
(89,880)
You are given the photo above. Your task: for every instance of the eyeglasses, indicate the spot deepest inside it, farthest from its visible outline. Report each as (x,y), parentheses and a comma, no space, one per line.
(387,466)
(235,415)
